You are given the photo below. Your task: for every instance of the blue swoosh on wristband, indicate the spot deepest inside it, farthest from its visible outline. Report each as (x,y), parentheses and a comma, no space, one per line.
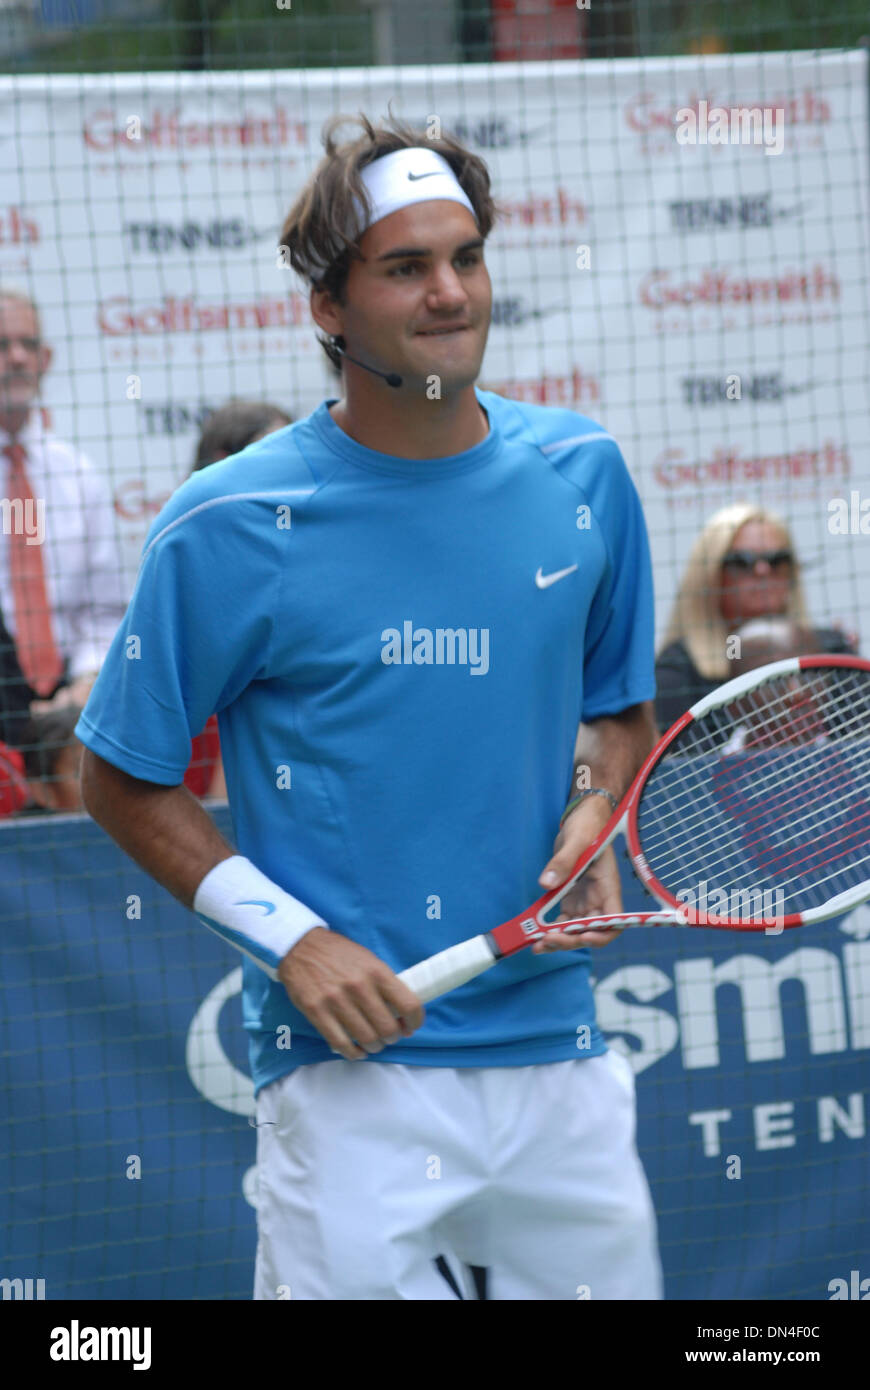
(257,902)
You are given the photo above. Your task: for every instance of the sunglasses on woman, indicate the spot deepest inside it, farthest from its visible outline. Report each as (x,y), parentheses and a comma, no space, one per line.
(744,561)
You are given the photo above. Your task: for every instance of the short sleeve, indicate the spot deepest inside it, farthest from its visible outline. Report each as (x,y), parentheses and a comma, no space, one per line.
(196,632)
(619,663)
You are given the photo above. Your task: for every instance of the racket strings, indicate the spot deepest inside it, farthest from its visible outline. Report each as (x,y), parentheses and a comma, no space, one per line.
(770,791)
(801,822)
(772,712)
(818,858)
(739,869)
(765,786)
(702,740)
(783,847)
(792,848)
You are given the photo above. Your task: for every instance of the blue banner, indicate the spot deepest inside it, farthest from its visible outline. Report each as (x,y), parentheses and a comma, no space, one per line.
(126,1152)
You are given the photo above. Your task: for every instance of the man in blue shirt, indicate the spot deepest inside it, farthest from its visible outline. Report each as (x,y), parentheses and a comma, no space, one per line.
(403,609)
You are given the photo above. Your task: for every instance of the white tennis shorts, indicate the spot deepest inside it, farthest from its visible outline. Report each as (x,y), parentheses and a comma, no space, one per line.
(367,1171)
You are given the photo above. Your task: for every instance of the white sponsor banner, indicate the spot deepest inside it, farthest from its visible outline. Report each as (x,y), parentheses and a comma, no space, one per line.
(143,211)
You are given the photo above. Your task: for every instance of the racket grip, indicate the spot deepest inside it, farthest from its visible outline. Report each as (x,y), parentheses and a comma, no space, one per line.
(449,969)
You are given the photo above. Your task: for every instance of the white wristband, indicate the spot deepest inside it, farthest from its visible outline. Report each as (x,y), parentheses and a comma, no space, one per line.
(252,913)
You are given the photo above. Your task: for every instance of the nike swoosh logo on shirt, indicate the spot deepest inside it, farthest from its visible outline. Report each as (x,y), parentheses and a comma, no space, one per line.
(430,175)
(257,902)
(544,581)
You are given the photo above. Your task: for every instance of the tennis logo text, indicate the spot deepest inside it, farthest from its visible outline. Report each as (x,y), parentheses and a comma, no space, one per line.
(441,646)
(75,1343)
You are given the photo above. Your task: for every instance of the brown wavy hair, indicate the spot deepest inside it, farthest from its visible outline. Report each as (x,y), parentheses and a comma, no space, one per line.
(322,232)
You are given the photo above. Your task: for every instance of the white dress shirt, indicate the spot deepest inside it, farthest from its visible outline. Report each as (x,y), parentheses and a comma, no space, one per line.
(80,552)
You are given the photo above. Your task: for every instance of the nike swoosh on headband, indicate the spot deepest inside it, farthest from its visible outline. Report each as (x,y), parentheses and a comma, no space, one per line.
(415,177)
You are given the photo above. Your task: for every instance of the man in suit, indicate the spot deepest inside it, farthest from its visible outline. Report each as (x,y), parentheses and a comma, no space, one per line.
(61,587)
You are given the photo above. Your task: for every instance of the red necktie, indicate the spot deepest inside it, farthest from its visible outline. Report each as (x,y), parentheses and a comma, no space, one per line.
(40,659)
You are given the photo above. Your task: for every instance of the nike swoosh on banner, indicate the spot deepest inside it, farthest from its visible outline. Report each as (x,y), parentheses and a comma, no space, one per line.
(257,902)
(544,581)
(415,177)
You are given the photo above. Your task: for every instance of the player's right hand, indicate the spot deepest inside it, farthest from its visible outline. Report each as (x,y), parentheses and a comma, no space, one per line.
(348,994)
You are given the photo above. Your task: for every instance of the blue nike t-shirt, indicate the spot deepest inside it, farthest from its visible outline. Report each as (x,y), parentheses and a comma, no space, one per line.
(399,653)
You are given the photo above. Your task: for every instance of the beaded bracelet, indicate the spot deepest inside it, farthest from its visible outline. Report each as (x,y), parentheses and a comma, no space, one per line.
(590,791)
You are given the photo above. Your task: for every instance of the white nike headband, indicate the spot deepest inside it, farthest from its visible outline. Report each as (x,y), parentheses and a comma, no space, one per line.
(408,176)
(415,175)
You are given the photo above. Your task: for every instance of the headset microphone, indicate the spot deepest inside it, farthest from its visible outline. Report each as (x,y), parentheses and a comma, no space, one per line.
(391,378)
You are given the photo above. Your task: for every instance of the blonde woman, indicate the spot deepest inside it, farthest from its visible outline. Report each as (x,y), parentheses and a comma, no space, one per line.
(741,566)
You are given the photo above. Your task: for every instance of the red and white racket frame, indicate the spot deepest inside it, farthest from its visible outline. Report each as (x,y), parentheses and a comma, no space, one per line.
(460,963)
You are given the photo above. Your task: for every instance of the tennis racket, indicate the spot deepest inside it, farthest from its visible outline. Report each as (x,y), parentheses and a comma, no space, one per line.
(757,798)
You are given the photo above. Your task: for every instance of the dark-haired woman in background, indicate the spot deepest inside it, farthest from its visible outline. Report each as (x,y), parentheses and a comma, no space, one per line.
(234,426)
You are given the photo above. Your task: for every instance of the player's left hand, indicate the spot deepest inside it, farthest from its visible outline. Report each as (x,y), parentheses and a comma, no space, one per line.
(597,892)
